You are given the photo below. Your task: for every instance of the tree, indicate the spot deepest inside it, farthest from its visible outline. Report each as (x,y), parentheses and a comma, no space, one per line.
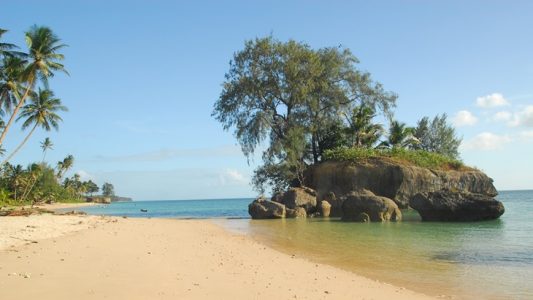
(289,95)
(399,136)
(108,189)
(7,49)
(437,136)
(42,111)
(43,61)
(64,165)
(91,187)
(11,87)
(46,145)
(361,130)
(15,175)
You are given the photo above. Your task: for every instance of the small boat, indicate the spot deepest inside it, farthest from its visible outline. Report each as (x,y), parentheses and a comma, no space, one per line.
(144,210)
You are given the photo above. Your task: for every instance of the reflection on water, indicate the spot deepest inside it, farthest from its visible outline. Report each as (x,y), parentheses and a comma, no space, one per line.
(489,260)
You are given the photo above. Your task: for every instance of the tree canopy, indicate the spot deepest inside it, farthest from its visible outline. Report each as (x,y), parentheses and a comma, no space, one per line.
(437,136)
(289,95)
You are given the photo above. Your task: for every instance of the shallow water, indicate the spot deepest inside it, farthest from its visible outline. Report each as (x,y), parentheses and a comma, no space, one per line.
(479,260)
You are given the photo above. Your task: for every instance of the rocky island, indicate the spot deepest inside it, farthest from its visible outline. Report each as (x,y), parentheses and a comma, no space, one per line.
(376,189)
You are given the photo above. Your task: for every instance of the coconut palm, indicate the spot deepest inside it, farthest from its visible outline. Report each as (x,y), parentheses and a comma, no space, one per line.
(41,112)
(6,49)
(43,62)
(64,165)
(46,145)
(362,131)
(34,171)
(11,88)
(400,136)
(16,178)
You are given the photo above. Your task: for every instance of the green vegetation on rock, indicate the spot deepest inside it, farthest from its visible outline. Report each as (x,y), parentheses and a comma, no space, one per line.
(419,158)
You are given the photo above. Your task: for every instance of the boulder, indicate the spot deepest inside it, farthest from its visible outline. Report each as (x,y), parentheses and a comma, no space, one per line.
(325,208)
(298,212)
(364,206)
(299,197)
(265,209)
(446,205)
(399,182)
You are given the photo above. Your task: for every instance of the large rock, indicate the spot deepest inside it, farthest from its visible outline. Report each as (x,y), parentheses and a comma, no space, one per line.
(298,212)
(392,180)
(363,206)
(298,197)
(264,209)
(324,208)
(448,205)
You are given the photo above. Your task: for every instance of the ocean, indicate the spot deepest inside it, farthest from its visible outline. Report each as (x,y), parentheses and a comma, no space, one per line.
(477,260)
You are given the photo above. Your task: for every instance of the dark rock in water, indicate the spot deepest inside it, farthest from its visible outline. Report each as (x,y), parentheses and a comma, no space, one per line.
(324,208)
(299,197)
(364,206)
(144,210)
(265,209)
(298,212)
(392,180)
(448,205)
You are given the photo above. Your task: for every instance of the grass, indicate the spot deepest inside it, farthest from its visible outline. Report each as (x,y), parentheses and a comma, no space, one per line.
(419,158)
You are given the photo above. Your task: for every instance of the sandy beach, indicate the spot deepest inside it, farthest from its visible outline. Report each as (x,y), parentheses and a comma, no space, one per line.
(91,257)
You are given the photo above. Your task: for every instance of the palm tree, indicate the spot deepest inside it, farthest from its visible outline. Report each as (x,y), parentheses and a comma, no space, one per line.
(34,172)
(16,178)
(43,61)
(400,136)
(6,49)
(11,71)
(362,131)
(46,145)
(64,166)
(40,112)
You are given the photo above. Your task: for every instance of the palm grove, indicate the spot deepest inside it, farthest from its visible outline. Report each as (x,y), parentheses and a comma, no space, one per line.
(26,99)
(302,106)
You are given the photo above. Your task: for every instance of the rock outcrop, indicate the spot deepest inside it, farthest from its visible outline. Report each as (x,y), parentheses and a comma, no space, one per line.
(392,180)
(261,208)
(298,197)
(364,206)
(448,205)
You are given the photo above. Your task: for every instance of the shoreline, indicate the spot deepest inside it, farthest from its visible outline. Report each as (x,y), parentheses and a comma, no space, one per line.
(166,258)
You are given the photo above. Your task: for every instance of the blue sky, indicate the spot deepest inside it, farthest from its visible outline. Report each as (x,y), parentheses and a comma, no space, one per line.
(145,75)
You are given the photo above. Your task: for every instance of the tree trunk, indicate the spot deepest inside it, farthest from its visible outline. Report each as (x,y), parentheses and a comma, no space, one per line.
(15,112)
(315,151)
(21,144)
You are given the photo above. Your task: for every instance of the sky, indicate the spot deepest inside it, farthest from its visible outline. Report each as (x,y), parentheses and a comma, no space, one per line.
(144,76)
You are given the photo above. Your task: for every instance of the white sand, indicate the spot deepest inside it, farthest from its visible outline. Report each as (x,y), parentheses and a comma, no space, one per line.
(116,258)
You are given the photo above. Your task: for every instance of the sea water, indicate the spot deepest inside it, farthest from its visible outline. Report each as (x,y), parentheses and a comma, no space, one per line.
(472,260)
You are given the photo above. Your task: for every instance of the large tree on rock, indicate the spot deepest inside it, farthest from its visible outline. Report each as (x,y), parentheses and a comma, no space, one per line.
(290,95)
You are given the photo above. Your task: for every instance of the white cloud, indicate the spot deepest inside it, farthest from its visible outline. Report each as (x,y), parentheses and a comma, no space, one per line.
(85,176)
(526,135)
(235,175)
(502,116)
(486,141)
(167,154)
(232,176)
(464,118)
(492,100)
(523,118)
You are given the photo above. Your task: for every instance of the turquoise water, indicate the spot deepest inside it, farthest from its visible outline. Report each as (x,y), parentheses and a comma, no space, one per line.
(194,209)
(480,260)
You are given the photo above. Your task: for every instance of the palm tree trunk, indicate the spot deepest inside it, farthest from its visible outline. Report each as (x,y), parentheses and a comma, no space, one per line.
(21,144)
(15,112)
